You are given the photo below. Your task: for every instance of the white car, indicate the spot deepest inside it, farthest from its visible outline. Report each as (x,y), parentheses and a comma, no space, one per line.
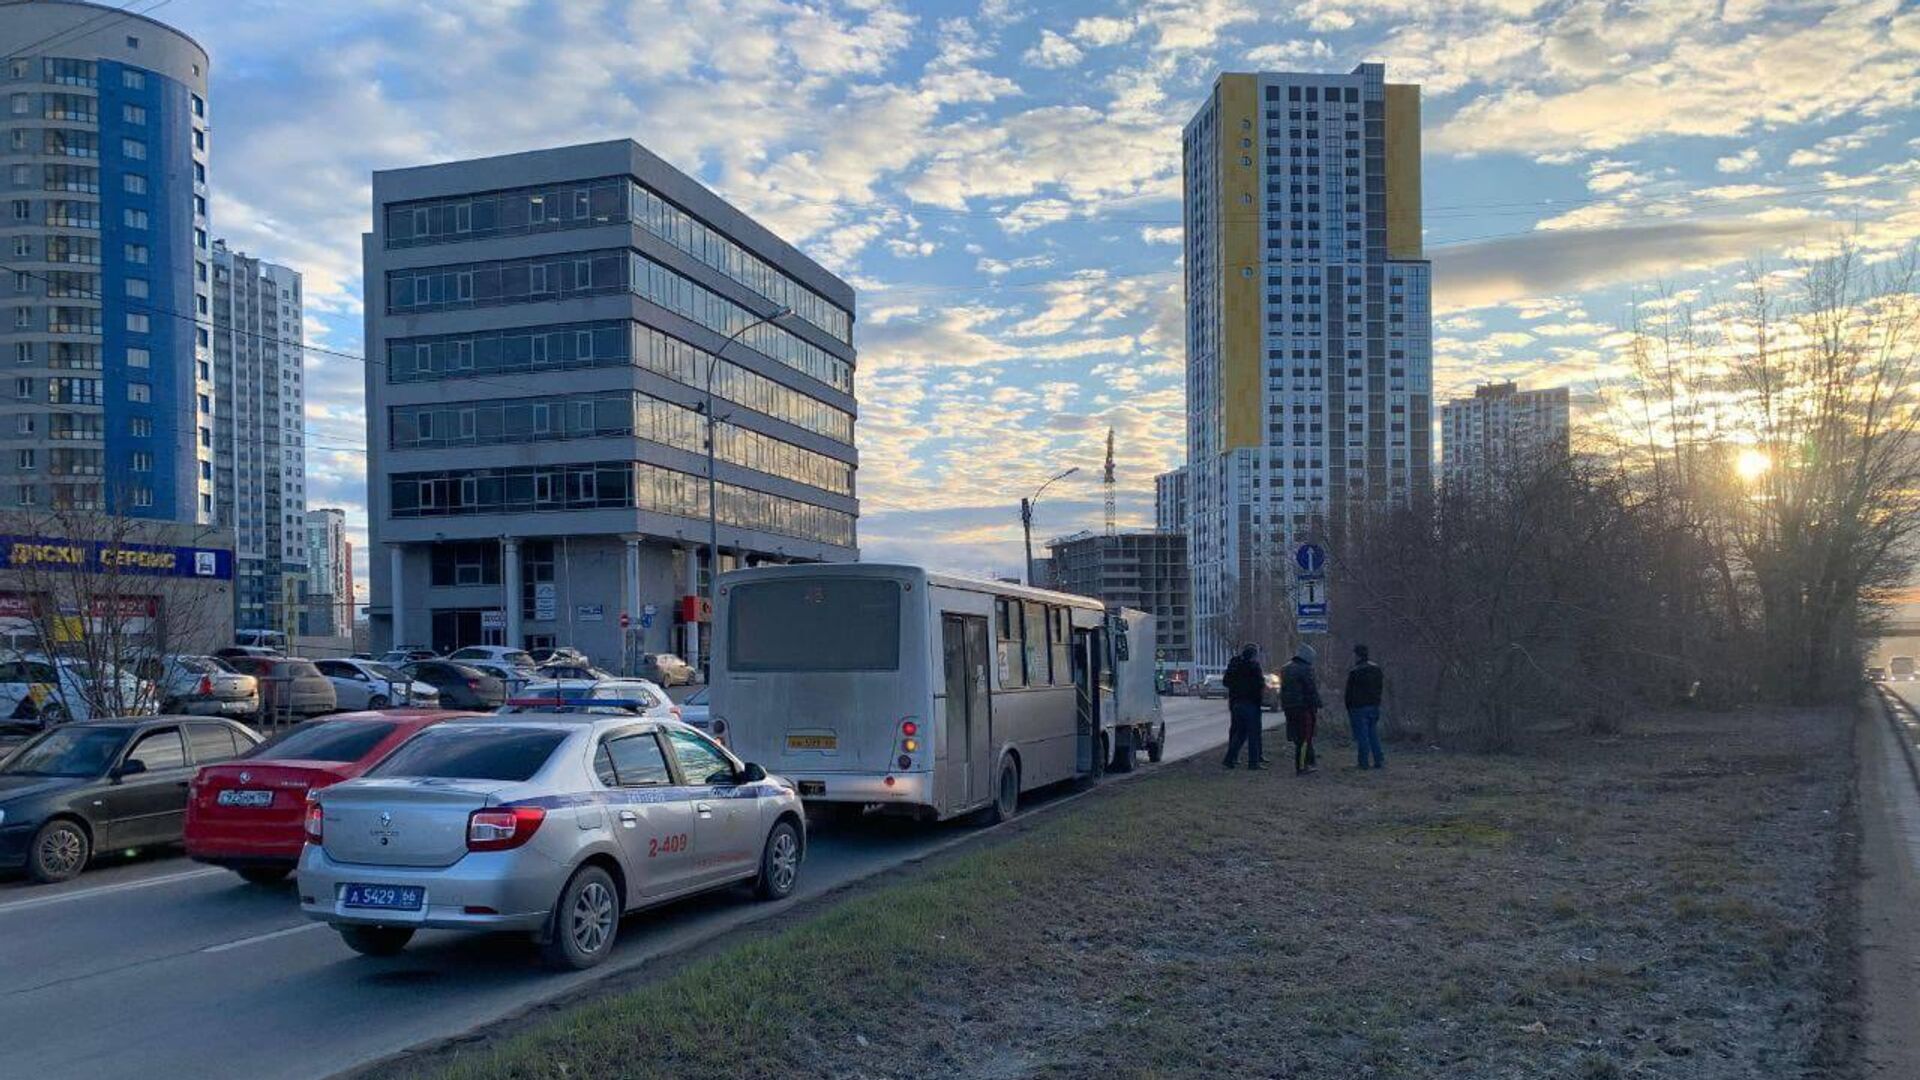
(515,679)
(369,684)
(53,690)
(495,654)
(633,697)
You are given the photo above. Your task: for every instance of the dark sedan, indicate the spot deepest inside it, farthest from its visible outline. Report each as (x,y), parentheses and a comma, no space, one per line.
(460,686)
(104,785)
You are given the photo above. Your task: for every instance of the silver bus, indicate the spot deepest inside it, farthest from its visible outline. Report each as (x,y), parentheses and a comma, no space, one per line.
(919,693)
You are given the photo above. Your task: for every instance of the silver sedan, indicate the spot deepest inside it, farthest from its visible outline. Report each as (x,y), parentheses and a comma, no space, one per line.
(547,824)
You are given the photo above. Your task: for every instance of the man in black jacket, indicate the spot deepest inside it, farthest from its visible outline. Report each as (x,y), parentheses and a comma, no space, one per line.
(1364,685)
(1300,700)
(1245,682)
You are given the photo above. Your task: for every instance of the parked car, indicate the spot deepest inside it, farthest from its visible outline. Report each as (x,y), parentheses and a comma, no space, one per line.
(289,687)
(460,686)
(406,656)
(1211,686)
(513,678)
(501,824)
(104,785)
(568,669)
(241,652)
(364,684)
(247,815)
(635,697)
(558,654)
(665,669)
(200,686)
(498,654)
(52,690)
(695,713)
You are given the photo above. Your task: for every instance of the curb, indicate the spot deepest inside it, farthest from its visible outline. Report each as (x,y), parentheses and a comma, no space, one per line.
(1905,722)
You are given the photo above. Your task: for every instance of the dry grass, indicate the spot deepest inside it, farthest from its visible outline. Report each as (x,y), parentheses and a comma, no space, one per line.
(1646,905)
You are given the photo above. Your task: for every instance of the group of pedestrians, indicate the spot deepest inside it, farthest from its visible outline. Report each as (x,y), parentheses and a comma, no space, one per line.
(1301,703)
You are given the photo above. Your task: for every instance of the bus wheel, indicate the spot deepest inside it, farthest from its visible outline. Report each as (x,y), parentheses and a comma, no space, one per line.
(1157,748)
(1006,797)
(1123,753)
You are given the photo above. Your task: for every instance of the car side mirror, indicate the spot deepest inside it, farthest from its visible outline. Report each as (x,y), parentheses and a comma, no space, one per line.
(752,774)
(130,767)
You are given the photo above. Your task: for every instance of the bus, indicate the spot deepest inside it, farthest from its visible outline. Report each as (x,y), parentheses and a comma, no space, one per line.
(925,694)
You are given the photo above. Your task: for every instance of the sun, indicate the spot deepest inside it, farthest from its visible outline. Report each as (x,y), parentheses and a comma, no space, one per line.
(1751,465)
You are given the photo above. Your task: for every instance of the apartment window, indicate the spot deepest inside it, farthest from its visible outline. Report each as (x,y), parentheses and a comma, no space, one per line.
(139,392)
(200,205)
(142,461)
(23,352)
(142,497)
(199,139)
(133,114)
(133,183)
(22,210)
(206,436)
(138,323)
(140,427)
(138,254)
(23,389)
(137,357)
(24,424)
(200,239)
(133,149)
(133,80)
(134,219)
(137,288)
(24,461)
(206,404)
(22,318)
(199,173)
(199,105)
(23,247)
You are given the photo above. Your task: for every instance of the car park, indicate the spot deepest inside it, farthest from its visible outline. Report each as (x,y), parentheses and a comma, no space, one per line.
(54,689)
(104,785)
(545,824)
(202,686)
(367,684)
(665,669)
(635,697)
(249,814)
(460,686)
(290,688)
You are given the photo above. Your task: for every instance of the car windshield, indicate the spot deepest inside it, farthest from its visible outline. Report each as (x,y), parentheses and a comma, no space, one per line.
(472,753)
(77,752)
(326,740)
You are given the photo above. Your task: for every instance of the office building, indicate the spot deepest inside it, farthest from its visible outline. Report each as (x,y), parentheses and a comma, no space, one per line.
(1500,427)
(259,446)
(329,610)
(541,329)
(1142,570)
(1170,501)
(106,289)
(1309,333)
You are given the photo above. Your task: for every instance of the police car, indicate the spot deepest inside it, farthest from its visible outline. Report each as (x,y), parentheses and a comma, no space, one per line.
(551,824)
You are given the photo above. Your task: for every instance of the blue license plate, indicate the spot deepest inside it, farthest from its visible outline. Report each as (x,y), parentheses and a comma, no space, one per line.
(385,897)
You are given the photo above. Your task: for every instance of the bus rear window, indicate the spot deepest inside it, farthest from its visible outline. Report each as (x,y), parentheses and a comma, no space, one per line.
(814,624)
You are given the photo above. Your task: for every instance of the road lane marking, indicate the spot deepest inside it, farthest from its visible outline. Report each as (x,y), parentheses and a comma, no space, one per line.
(258,938)
(106,890)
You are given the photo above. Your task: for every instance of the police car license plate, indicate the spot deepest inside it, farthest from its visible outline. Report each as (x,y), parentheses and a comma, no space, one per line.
(244,797)
(389,897)
(813,742)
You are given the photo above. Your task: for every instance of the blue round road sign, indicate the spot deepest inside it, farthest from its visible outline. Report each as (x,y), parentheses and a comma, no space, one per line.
(1311,558)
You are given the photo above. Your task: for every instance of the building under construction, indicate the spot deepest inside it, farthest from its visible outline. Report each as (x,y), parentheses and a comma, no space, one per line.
(1144,570)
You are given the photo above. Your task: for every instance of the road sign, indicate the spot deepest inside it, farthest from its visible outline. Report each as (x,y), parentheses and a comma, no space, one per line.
(646,619)
(1310,591)
(1311,624)
(1310,558)
(590,612)
(545,600)
(648,611)
(493,620)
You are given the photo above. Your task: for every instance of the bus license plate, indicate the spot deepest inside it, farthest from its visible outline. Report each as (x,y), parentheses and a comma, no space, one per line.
(244,797)
(813,742)
(391,897)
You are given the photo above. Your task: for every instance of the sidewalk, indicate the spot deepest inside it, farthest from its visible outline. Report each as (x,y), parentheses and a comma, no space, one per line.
(1889,899)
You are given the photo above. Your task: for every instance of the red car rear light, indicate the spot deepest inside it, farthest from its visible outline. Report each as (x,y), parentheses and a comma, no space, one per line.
(316,822)
(206,686)
(503,828)
(473,684)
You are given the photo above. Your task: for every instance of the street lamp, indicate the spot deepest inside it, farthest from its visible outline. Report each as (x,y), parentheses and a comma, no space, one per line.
(713,487)
(1026,519)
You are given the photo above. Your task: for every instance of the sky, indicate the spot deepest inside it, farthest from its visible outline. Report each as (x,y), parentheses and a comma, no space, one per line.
(1000,180)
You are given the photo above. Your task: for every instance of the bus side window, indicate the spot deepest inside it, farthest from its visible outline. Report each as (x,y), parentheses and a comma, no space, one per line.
(1011,654)
(1060,642)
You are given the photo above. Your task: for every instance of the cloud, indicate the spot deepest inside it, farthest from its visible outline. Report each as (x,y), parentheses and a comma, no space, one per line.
(1738,163)
(1163,234)
(1102,30)
(1053,51)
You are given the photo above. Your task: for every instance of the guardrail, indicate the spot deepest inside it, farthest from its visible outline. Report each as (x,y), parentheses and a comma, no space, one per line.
(1904,719)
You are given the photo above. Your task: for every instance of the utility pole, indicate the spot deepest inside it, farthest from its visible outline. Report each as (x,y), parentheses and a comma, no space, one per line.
(1112,523)
(1026,520)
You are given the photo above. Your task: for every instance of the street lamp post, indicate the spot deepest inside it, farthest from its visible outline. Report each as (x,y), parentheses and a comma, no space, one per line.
(1026,519)
(713,486)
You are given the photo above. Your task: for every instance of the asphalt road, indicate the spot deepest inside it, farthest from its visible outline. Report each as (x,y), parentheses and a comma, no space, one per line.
(162,967)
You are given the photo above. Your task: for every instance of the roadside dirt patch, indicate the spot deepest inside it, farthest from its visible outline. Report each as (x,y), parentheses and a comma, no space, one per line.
(1655,904)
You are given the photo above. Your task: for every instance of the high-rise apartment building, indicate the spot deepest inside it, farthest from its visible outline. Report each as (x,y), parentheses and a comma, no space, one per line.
(1309,332)
(329,574)
(259,445)
(541,331)
(1170,501)
(1502,426)
(106,292)
(1146,571)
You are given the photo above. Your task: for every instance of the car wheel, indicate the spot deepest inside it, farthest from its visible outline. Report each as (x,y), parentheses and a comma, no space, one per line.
(376,702)
(779,863)
(59,852)
(585,921)
(264,875)
(376,940)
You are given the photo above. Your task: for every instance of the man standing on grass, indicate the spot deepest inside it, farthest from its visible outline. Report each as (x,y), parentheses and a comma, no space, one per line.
(1300,700)
(1364,685)
(1245,681)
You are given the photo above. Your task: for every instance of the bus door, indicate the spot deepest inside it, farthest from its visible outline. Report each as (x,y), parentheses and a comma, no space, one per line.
(1086,692)
(969,712)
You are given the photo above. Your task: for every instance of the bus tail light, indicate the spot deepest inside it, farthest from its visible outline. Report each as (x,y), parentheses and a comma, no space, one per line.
(502,828)
(908,727)
(909,742)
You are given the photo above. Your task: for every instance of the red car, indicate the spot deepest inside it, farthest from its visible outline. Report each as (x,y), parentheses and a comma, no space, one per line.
(249,814)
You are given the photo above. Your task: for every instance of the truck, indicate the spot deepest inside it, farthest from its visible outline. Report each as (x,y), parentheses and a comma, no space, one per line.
(1134,711)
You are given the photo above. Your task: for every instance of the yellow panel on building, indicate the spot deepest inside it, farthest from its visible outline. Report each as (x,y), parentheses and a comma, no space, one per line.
(1403,171)
(1241,207)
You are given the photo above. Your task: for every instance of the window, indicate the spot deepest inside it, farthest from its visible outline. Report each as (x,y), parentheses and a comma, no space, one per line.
(199,138)
(206,404)
(1008,627)
(140,392)
(701,762)
(22,210)
(142,497)
(214,742)
(1060,643)
(200,239)
(200,205)
(133,114)
(24,424)
(138,323)
(23,460)
(134,219)
(818,624)
(137,288)
(1036,642)
(23,389)
(133,149)
(159,750)
(140,427)
(142,461)
(478,753)
(636,761)
(199,105)
(133,183)
(199,173)
(133,80)
(138,254)
(137,357)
